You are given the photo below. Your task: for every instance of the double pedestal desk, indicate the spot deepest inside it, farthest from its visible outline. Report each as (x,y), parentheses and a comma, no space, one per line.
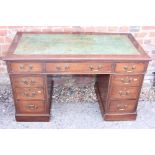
(117,60)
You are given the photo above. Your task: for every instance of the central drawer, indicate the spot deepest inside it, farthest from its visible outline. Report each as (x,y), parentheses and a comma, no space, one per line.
(29,93)
(79,67)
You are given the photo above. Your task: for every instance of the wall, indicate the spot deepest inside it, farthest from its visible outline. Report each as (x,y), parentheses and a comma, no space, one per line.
(145,35)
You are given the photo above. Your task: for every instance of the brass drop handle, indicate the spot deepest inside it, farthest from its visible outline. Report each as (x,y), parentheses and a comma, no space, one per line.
(124,93)
(31,107)
(126,68)
(95,70)
(126,80)
(32,94)
(122,108)
(59,68)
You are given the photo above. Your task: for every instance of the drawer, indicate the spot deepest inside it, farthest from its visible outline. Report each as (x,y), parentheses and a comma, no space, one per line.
(78,67)
(126,80)
(30,107)
(124,92)
(130,68)
(27,81)
(24,67)
(123,106)
(29,93)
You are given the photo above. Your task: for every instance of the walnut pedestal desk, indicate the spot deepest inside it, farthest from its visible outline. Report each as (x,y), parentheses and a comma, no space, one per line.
(117,60)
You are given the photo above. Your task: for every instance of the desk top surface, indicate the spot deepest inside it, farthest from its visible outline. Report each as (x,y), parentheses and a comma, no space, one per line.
(47,44)
(83,46)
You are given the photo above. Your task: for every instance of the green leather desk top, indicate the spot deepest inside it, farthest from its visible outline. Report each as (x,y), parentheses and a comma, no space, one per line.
(59,44)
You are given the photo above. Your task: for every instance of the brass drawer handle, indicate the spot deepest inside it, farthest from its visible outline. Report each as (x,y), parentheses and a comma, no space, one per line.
(122,107)
(28,83)
(65,68)
(33,94)
(95,69)
(31,107)
(124,93)
(126,68)
(126,80)
(25,82)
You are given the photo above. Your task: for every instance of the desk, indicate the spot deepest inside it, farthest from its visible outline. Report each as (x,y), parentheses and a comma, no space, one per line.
(117,60)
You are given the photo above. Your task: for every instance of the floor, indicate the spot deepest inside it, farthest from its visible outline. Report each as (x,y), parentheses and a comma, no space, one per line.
(69,112)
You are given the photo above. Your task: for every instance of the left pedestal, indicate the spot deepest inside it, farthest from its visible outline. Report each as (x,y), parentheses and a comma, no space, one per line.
(32,101)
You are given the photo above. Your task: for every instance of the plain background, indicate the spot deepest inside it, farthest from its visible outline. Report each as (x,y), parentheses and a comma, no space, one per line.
(77,13)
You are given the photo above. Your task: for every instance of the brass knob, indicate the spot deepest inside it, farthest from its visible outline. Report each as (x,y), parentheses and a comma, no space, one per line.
(25,82)
(58,68)
(126,68)
(32,82)
(67,67)
(30,67)
(33,94)
(133,67)
(21,66)
(91,67)
(26,94)
(100,67)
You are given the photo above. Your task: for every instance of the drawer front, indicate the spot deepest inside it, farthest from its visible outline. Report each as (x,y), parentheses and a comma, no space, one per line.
(123,106)
(24,81)
(130,68)
(78,67)
(26,67)
(124,92)
(127,80)
(29,93)
(30,107)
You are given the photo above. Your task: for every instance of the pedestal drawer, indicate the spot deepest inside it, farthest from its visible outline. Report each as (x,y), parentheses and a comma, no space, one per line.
(29,93)
(27,81)
(122,106)
(30,107)
(124,92)
(127,80)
